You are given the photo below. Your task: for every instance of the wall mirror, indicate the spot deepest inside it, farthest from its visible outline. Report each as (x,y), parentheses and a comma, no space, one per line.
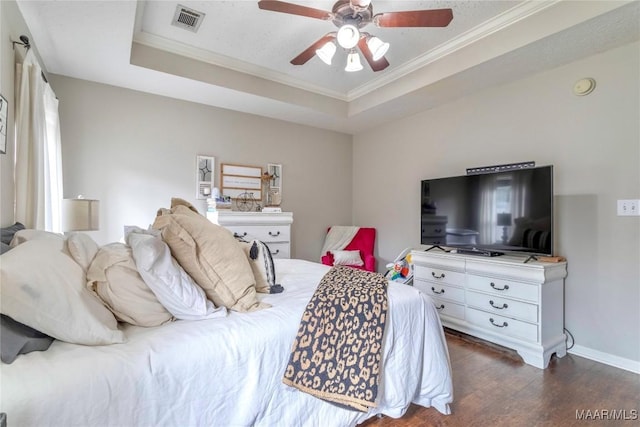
(205,172)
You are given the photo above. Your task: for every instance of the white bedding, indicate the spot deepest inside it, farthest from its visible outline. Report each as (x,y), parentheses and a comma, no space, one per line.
(223,371)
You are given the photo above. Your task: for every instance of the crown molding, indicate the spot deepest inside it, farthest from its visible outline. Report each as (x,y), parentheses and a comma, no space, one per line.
(492,26)
(237,65)
(496,24)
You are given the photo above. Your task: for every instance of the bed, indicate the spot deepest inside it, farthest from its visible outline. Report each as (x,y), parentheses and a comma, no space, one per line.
(226,369)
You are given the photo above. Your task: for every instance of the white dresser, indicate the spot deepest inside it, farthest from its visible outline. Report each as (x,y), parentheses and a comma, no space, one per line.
(273,228)
(499,299)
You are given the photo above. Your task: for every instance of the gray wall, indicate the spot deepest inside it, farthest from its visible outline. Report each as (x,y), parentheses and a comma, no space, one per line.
(134,151)
(594,144)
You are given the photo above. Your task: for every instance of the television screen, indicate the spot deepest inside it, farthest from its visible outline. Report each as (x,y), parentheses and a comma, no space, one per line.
(507,211)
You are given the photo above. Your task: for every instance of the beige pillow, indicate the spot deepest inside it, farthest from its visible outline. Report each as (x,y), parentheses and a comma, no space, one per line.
(113,276)
(44,288)
(211,256)
(347,258)
(82,249)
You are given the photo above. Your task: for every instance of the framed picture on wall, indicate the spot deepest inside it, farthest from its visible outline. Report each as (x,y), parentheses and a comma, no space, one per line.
(237,180)
(4,110)
(205,171)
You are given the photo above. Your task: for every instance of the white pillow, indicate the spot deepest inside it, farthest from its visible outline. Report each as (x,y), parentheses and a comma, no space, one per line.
(44,288)
(82,249)
(24,235)
(211,256)
(347,258)
(173,287)
(113,276)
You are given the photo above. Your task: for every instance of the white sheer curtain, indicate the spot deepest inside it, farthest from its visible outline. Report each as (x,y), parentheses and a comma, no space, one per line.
(38,167)
(487,213)
(519,195)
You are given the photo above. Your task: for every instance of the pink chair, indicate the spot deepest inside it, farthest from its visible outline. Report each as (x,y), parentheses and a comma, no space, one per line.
(363,241)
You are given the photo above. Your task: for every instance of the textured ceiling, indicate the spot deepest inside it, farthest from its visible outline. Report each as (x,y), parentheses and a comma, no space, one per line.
(269,40)
(239,58)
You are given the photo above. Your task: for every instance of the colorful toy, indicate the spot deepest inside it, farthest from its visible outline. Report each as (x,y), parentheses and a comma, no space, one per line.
(400,270)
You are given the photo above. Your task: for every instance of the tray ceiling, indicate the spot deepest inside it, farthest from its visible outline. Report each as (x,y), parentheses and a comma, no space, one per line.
(239,57)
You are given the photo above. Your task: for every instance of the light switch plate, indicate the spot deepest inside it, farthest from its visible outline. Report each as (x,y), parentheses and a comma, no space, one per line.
(629,207)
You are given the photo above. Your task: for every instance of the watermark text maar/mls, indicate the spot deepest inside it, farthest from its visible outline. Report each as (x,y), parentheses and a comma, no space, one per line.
(607,414)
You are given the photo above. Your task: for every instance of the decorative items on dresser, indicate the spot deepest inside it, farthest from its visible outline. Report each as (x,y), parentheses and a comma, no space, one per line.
(502,300)
(273,228)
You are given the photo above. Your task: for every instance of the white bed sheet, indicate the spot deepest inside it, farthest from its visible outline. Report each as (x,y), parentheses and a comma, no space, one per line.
(224,371)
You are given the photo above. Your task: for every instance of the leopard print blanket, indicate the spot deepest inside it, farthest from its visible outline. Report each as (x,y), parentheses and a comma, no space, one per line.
(337,352)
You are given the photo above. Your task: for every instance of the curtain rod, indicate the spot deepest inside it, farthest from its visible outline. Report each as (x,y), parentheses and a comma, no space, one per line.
(24,42)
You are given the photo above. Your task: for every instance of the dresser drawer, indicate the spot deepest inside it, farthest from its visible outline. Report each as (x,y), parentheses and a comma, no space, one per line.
(503,288)
(265,233)
(279,250)
(434,230)
(438,275)
(448,308)
(440,290)
(503,306)
(442,240)
(502,325)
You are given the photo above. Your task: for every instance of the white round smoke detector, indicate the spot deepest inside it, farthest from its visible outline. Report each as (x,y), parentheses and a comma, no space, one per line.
(584,86)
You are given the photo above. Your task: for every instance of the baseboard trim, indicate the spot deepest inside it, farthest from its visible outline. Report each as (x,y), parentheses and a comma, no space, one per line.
(606,358)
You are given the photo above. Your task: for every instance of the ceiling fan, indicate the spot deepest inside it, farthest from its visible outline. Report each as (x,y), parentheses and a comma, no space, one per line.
(350,16)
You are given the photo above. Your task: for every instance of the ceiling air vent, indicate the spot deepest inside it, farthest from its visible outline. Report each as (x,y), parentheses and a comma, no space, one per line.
(186,18)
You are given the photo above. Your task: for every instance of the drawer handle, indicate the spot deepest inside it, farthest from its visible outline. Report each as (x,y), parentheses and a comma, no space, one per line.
(493,285)
(436,292)
(276,252)
(495,306)
(276,234)
(438,230)
(504,324)
(240,235)
(441,307)
(433,273)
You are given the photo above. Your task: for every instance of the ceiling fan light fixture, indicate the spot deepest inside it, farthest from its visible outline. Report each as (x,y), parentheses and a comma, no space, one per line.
(353,62)
(377,47)
(326,52)
(360,4)
(348,36)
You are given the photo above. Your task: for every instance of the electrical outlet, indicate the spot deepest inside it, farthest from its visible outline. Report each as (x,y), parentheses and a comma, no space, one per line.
(628,207)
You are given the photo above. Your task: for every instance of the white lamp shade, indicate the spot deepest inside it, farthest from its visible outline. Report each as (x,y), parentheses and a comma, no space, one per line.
(353,62)
(348,36)
(80,215)
(326,52)
(377,47)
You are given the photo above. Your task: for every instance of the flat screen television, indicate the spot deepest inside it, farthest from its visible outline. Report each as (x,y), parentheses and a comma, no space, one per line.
(491,214)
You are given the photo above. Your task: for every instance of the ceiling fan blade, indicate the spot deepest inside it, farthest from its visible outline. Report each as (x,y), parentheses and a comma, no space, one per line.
(294,9)
(378,65)
(308,53)
(415,18)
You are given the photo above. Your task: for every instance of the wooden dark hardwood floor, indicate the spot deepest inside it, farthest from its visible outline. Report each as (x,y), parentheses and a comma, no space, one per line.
(493,387)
